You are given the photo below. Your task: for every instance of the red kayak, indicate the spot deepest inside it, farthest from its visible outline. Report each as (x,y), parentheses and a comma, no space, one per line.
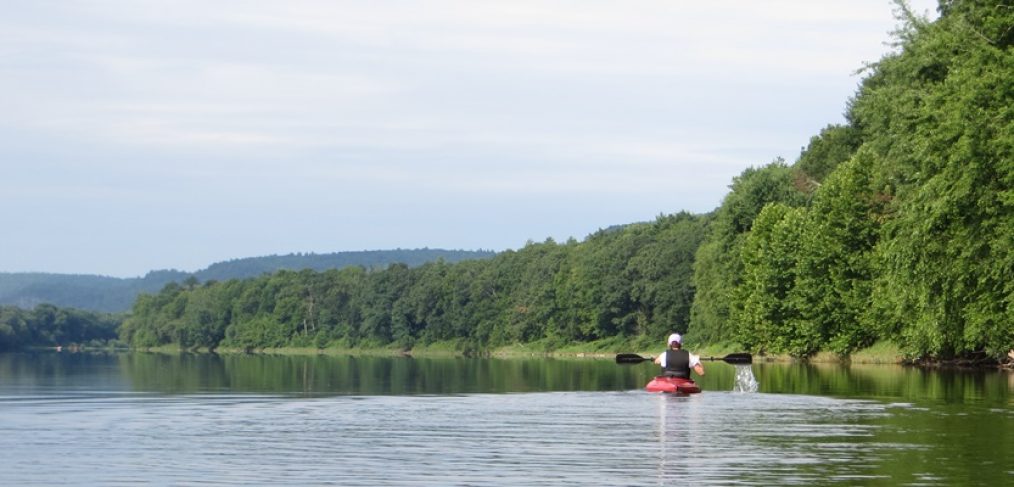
(673,385)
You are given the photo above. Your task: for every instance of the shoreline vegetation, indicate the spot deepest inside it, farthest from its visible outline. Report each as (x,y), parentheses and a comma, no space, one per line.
(881,353)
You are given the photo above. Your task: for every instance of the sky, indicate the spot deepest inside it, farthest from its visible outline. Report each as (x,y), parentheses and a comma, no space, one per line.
(153,134)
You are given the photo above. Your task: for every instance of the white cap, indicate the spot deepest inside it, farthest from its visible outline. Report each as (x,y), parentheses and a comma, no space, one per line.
(675,337)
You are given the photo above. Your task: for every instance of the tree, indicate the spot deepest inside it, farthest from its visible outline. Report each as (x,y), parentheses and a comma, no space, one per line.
(661,275)
(718,267)
(940,121)
(834,145)
(764,315)
(834,266)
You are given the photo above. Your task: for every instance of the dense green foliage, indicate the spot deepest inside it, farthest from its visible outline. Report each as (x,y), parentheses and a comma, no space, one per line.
(370,259)
(47,325)
(719,265)
(628,281)
(113,295)
(904,229)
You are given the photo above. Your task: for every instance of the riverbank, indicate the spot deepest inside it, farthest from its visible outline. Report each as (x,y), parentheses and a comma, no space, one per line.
(880,353)
(601,349)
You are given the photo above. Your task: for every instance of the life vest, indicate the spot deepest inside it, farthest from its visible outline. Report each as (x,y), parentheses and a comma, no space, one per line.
(677,364)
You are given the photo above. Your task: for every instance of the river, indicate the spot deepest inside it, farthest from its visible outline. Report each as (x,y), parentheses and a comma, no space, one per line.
(160,419)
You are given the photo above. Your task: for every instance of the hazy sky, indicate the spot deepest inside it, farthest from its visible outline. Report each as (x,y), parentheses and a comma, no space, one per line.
(153,134)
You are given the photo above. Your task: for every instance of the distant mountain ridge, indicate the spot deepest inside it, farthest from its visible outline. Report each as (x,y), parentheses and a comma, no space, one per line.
(113,294)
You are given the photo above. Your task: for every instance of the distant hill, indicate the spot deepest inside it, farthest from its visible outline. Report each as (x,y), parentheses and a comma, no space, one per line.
(112,294)
(95,293)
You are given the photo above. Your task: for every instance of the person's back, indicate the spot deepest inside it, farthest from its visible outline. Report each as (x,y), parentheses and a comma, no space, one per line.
(677,362)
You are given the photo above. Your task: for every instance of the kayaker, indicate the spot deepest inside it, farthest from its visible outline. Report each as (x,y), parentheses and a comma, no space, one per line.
(677,362)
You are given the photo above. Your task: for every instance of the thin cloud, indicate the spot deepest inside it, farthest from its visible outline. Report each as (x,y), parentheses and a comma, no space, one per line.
(436,117)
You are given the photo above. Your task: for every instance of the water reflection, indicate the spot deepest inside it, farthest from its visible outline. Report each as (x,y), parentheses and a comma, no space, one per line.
(370,375)
(311,420)
(955,386)
(313,375)
(374,375)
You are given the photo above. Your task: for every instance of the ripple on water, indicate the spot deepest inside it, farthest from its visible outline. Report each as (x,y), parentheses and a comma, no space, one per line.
(599,438)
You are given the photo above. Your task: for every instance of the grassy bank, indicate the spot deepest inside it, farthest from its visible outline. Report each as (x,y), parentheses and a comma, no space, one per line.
(879,353)
(882,352)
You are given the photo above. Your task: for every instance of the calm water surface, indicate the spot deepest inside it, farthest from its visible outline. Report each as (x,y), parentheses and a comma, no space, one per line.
(131,419)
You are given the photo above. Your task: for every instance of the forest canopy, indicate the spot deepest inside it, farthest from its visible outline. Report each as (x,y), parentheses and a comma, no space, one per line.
(49,326)
(904,231)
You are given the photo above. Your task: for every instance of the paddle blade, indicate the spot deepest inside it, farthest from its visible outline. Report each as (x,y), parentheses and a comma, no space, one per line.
(631,358)
(738,358)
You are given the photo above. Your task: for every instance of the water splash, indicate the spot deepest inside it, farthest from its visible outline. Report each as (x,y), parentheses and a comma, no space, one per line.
(745,381)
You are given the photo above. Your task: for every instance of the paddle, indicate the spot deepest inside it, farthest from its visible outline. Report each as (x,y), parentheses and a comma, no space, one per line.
(732,358)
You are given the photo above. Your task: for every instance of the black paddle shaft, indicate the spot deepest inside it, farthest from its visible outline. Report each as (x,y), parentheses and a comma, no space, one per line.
(732,358)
